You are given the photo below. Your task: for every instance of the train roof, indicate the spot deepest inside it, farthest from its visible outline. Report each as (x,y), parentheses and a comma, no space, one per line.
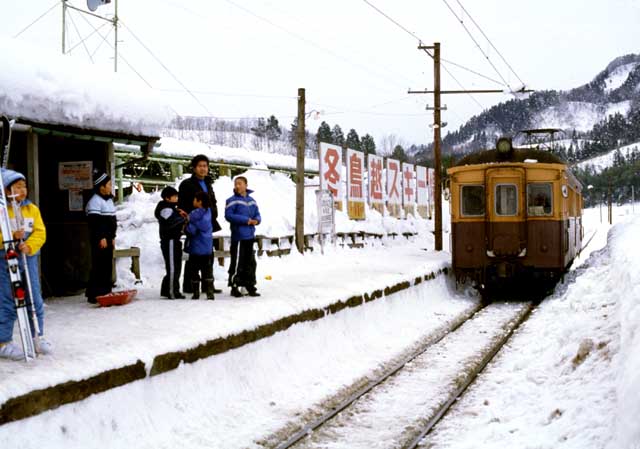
(518,155)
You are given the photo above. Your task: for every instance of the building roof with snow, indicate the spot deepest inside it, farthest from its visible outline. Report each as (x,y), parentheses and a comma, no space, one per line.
(40,88)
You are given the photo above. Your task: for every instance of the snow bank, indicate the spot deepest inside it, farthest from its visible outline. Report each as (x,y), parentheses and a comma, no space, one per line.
(275,194)
(625,260)
(56,89)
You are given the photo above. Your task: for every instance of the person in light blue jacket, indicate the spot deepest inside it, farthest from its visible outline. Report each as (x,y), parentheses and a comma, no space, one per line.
(242,212)
(199,245)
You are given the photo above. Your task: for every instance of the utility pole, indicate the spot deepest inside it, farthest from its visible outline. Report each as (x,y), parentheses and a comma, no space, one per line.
(436,145)
(610,204)
(64,26)
(437,126)
(115,43)
(300,171)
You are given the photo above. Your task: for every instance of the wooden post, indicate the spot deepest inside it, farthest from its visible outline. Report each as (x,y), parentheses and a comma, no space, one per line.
(610,204)
(436,147)
(300,172)
(33,167)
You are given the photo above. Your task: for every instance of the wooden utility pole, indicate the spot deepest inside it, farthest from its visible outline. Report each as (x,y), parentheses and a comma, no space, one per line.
(437,126)
(436,145)
(610,203)
(300,171)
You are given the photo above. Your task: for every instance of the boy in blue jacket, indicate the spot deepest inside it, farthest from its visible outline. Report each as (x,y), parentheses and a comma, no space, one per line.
(171,222)
(242,212)
(199,245)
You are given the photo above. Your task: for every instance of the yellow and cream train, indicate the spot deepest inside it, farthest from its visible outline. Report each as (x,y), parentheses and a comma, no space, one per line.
(514,213)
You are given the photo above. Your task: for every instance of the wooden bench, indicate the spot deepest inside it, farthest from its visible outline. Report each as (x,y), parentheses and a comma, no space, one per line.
(134,253)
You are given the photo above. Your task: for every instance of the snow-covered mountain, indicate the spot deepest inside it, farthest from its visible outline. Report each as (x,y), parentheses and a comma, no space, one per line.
(616,89)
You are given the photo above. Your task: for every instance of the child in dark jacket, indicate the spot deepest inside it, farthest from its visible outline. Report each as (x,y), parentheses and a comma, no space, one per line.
(171,221)
(101,214)
(242,212)
(200,245)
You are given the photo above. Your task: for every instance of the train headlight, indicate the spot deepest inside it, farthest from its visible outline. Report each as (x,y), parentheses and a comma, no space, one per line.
(503,146)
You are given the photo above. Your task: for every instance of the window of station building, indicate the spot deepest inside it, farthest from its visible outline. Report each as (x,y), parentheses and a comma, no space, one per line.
(506,199)
(472,203)
(539,199)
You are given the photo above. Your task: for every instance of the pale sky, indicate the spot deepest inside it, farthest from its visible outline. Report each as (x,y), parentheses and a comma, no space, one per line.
(248,57)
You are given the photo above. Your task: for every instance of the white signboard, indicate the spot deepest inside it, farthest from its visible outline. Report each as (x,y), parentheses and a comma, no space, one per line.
(355,185)
(377,182)
(331,170)
(326,215)
(76,175)
(408,185)
(394,182)
(422,186)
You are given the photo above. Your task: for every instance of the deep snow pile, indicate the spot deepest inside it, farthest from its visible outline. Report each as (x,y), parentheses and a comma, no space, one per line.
(275,194)
(57,89)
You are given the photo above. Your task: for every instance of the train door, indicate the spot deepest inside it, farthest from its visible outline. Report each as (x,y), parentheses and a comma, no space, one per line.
(506,230)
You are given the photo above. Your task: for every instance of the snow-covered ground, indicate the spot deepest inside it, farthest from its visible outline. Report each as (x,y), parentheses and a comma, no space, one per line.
(570,377)
(619,76)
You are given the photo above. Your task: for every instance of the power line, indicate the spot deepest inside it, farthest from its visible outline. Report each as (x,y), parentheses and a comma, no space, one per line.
(309,42)
(166,68)
(490,43)
(37,20)
(231,94)
(88,37)
(82,41)
(477,44)
(415,36)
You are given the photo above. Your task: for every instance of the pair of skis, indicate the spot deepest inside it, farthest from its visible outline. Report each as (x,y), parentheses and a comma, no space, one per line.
(12,255)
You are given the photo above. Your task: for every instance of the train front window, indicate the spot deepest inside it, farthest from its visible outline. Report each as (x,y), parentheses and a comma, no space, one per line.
(472,201)
(506,199)
(539,199)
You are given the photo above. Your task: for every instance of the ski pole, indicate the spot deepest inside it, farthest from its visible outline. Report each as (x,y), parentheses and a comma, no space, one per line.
(17,213)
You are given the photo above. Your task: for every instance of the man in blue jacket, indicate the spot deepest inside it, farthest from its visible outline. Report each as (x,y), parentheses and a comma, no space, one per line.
(242,212)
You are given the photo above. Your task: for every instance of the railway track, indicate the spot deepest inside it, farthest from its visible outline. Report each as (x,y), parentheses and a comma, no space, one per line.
(401,406)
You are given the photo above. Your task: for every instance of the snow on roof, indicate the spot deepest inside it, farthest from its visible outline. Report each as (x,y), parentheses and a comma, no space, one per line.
(170,146)
(54,89)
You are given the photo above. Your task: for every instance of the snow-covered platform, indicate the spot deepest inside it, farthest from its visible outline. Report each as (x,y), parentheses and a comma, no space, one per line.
(97,349)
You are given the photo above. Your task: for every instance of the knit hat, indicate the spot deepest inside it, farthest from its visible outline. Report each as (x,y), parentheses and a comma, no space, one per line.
(100,178)
(10,176)
(168,192)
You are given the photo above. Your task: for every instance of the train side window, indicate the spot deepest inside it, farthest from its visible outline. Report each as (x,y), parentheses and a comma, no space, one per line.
(539,199)
(506,199)
(472,203)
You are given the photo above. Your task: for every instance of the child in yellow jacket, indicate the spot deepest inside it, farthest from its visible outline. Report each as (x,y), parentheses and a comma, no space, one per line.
(33,236)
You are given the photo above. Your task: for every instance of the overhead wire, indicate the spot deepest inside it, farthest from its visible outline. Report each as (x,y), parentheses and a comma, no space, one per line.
(490,43)
(162,64)
(37,20)
(459,19)
(82,41)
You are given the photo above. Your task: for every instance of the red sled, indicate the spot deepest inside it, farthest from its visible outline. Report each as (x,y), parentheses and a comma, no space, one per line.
(117,298)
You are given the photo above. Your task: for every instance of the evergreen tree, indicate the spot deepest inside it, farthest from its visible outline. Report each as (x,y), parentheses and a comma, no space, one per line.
(399,154)
(260,128)
(324,133)
(337,135)
(353,140)
(272,128)
(367,144)
(293,133)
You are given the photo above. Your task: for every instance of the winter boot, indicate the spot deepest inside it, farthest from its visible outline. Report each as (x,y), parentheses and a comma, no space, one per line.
(252,291)
(208,288)
(44,347)
(235,292)
(11,351)
(178,295)
(195,288)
